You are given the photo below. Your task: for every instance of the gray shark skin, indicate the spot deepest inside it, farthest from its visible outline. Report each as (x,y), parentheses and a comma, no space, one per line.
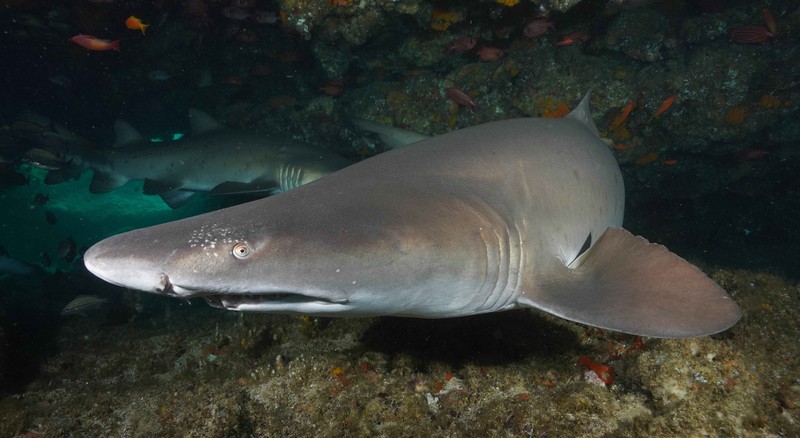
(213,159)
(510,214)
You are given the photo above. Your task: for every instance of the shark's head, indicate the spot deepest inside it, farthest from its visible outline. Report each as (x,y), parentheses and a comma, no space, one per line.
(293,254)
(231,266)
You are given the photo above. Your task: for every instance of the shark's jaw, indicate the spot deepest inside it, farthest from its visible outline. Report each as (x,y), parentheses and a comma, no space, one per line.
(270,301)
(277,303)
(240,298)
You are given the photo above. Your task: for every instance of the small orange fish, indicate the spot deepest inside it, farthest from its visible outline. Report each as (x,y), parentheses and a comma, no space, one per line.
(646,158)
(751,35)
(669,162)
(752,154)
(664,106)
(234,80)
(490,54)
(135,23)
(332,89)
(623,115)
(461,45)
(461,98)
(93,43)
(573,38)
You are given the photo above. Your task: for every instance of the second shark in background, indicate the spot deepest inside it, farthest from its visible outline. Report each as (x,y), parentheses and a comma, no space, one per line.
(214,159)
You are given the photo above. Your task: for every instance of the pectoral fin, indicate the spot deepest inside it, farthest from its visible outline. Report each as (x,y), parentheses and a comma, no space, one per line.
(106,182)
(177,198)
(627,284)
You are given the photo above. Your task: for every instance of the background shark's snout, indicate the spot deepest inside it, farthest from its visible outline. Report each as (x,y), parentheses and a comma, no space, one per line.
(111,261)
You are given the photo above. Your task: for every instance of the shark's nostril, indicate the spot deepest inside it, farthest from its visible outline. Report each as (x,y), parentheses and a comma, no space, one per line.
(166,286)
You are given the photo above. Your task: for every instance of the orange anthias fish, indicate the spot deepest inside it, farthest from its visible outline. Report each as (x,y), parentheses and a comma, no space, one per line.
(94,43)
(135,23)
(664,106)
(623,115)
(573,38)
(461,98)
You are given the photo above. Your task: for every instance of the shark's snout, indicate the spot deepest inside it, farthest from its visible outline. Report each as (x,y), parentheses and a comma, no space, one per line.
(111,262)
(94,262)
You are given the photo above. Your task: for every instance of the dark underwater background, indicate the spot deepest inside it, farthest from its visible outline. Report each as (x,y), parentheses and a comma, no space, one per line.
(698,99)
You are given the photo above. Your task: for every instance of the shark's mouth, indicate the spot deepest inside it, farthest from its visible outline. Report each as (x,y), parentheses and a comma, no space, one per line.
(266,301)
(233,302)
(274,302)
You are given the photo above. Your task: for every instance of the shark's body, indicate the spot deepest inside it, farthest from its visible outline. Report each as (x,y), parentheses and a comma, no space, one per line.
(213,159)
(509,214)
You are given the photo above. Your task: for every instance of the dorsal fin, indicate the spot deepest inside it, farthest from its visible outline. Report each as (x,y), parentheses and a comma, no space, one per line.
(201,122)
(104,182)
(583,114)
(125,134)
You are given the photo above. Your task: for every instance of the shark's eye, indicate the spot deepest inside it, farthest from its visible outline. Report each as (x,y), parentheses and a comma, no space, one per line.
(242,251)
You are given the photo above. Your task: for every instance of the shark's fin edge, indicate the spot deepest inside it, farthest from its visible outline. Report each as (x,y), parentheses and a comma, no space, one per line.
(125,134)
(177,198)
(202,122)
(106,182)
(583,114)
(627,284)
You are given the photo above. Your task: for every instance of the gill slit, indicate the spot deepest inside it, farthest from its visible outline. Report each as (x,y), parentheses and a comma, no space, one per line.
(504,261)
(289,177)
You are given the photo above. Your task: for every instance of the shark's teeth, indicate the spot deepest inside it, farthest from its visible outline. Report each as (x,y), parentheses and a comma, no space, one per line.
(214,301)
(232,302)
(237,300)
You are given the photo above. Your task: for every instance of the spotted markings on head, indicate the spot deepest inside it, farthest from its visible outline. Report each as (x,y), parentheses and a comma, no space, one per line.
(208,237)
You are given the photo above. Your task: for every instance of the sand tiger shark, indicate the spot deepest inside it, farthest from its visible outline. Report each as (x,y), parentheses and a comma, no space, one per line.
(214,158)
(522,213)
